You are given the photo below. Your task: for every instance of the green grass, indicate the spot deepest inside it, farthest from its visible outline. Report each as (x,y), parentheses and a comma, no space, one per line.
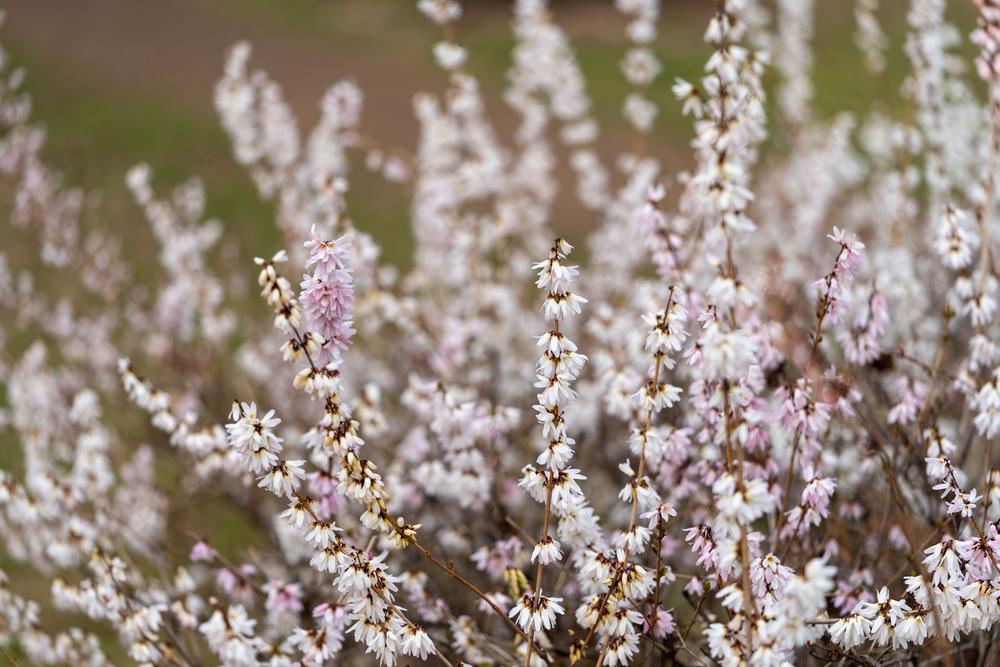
(95,136)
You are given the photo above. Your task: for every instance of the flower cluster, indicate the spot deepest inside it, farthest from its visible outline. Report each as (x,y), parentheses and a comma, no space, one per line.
(555,483)
(328,297)
(640,65)
(766,437)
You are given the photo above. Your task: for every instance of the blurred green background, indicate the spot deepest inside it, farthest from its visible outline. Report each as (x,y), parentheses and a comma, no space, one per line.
(122,81)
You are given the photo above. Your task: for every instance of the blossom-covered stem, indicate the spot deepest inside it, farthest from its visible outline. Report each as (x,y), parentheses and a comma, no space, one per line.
(546,517)
(898,499)
(398,612)
(975,524)
(640,67)
(658,545)
(545,533)
(538,568)
(388,600)
(657,364)
(549,479)
(166,649)
(558,366)
(450,570)
(604,600)
(405,536)
(748,605)
(645,429)
(787,490)
(170,650)
(984,215)
(821,313)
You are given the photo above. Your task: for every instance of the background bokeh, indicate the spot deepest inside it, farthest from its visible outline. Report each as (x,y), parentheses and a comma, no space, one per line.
(123,81)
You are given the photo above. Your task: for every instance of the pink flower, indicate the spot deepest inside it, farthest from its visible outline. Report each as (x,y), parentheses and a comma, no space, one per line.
(850,256)
(236,584)
(202,552)
(283,598)
(663,625)
(702,543)
(328,296)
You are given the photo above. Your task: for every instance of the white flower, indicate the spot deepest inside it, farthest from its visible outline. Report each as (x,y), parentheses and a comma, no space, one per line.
(546,551)
(561,306)
(556,343)
(850,631)
(565,490)
(687,93)
(555,276)
(955,238)
(937,467)
(283,479)
(557,454)
(660,515)
(322,534)
(987,402)
(449,56)
(656,397)
(543,616)
(325,560)
(250,433)
(555,390)
(964,503)
(640,112)
(988,422)
(666,330)
(912,629)
(416,642)
(745,503)
(640,66)
(622,648)
(299,512)
(981,309)
(727,293)
(727,356)
(440,11)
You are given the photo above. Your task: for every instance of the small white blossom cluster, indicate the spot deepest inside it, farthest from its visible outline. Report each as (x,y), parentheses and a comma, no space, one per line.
(767,436)
(554,484)
(640,65)
(868,35)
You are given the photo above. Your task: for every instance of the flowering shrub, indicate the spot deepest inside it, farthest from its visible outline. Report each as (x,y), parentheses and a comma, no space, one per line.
(737,435)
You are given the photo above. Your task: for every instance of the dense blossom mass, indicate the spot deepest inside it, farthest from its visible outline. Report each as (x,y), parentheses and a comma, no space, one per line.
(752,421)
